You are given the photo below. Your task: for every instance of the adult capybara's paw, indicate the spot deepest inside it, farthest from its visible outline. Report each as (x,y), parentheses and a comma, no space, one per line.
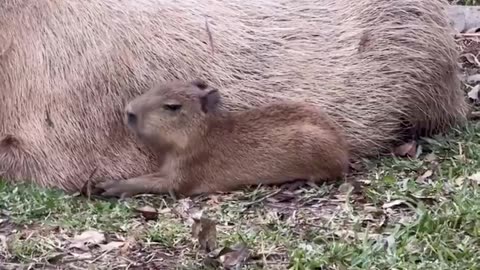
(115,188)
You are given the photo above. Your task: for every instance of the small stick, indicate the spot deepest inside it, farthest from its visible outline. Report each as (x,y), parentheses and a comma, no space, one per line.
(467,35)
(87,188)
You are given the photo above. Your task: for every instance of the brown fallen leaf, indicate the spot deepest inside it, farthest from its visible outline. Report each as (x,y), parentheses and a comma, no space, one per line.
(356,166)
(87,239)
(365,181)
(431,157)
(183,208)
(345,188)
(471,58)
(459,181)
(130,240)
(475,78)
(424,176)
(205,230)
(148,212)
(55,257)
(214,200)
(475,177)
(473,93)
(82,256)
(406,150)
(112,246)
(234,257)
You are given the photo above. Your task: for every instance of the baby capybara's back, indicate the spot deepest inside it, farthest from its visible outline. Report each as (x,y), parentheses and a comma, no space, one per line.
(272,144)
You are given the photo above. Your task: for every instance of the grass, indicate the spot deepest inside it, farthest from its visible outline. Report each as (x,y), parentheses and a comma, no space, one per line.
(465,2)
(395,220)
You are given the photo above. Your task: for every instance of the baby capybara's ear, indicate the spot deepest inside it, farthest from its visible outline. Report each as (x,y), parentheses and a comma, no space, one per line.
(209,100)
(202,84)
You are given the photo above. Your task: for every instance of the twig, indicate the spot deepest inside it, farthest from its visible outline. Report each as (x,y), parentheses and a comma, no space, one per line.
(100,256)
(467,35)
(87,188)
(67,261)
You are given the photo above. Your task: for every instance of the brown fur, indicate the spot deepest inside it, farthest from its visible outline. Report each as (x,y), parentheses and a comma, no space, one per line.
(67,69)
(211,150)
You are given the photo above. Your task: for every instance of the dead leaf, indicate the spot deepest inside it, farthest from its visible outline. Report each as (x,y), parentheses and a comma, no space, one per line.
(473,78)
(111,246)
(471,58)
(205,230)
(473,94)
(408,149)
(86,239)
(393,204)
(475,177)
(129,242)
(431,157)
(345,188)
(214,200)
(234,257)
(357,166)
(424,176)
(459,181)
(365,182)
(165,210)
(374,211)
(148,212)
(82,256)
(55,258)
(183,207)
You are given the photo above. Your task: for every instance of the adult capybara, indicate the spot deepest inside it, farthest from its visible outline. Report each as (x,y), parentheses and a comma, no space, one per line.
(208,149)
(380,68)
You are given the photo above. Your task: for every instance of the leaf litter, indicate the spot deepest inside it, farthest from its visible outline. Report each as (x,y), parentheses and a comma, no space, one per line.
(148,212)
(86,240)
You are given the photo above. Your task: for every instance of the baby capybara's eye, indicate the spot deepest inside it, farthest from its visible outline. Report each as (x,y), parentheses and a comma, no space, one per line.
(172,107)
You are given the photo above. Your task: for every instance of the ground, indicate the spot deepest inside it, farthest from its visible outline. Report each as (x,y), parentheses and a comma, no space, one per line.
(419,212)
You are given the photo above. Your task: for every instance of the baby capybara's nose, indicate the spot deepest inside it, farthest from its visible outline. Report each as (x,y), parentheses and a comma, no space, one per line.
(131,119)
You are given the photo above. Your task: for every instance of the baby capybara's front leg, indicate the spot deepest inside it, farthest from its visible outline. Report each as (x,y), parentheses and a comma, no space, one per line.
(155,183)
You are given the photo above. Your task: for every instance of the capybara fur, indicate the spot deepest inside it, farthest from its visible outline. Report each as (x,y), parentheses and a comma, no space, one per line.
(208,149)
(383,70)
